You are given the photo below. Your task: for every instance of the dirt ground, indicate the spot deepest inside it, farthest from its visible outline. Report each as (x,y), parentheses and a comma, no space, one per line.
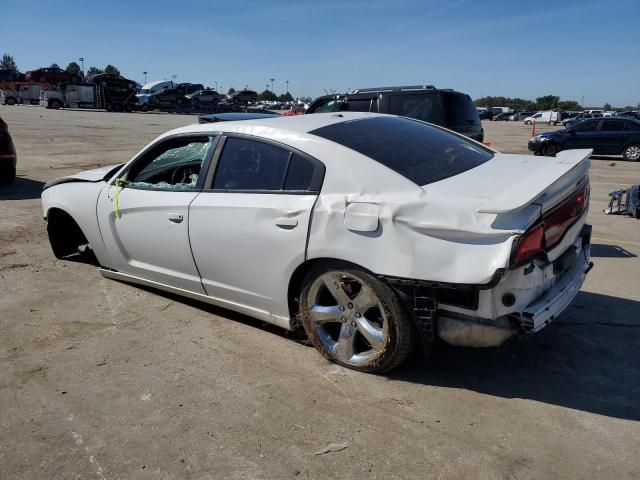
(99,379)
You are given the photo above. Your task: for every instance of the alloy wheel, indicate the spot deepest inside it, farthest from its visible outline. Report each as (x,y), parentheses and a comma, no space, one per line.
(348,318)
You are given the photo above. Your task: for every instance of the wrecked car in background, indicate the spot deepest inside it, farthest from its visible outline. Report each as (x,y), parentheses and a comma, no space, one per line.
(373,232)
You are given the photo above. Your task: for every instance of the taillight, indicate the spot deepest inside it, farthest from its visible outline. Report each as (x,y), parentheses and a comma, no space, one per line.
(548,233)
(530,245)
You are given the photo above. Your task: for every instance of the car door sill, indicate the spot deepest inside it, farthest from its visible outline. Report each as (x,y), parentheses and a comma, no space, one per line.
(253,312)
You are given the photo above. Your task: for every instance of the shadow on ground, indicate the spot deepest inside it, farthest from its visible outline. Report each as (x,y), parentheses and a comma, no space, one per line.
(610,251)
(586,360)
(21,189)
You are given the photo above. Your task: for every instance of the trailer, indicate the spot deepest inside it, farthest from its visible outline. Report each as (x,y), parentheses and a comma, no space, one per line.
(90,95)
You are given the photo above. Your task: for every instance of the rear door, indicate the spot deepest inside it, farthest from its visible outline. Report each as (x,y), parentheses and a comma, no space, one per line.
(613,136)
(249,228)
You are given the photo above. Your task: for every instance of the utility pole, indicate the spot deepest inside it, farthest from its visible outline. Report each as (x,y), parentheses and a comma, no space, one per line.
(272,79)
(145,77)
(287,86)
(216,85)
(81,59)
(173,79)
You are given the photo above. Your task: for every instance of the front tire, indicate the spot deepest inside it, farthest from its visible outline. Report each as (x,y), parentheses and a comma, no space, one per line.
(631,153)
(7,174)
(550,149)
(355,320)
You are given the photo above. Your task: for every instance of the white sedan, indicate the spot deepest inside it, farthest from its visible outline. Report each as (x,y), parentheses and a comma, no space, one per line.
(373,232)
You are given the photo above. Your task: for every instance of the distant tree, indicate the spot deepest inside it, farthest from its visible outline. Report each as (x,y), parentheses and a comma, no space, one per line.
(285,97)
(547,102)
(74,69)
(231,91)
(518,104)
(607,106)
(570,105)
(267,95)
(8,63)
(54,65)
(94,71)
(111,69)
(628,108)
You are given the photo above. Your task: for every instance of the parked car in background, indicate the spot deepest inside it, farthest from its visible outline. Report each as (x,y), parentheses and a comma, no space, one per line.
(233,117)
(578,118)
(204,97)
(244,96)
(425,235)
(485,114)
(549,116)
(635,115)
(168,98)
(445,107)
(7,75)
(520,116)
(295,110)
(8,156)
(112,81)
(606,136)
(50,75)
(501,117)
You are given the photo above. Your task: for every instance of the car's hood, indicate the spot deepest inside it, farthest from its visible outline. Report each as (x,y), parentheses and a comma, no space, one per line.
(94,175)
(508,183)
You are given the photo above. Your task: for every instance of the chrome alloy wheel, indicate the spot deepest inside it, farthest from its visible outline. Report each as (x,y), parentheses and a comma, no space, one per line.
(347,317)
(632,152)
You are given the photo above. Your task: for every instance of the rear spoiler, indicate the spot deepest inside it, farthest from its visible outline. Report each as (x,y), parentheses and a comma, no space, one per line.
(538,183)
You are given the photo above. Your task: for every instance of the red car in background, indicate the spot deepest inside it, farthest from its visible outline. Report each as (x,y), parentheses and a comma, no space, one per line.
(297,110)
(50,75)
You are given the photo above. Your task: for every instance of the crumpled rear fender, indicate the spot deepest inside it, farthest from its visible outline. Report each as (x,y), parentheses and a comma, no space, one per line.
(418,237)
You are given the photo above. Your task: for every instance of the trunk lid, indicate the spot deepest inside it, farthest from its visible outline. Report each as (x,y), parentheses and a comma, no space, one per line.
(508,183)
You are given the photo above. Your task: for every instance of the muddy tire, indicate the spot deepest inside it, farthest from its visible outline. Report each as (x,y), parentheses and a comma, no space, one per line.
(355,320)
(550,149)
(631,153)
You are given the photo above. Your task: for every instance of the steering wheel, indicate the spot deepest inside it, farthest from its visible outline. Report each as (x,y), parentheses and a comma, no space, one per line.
(183,173)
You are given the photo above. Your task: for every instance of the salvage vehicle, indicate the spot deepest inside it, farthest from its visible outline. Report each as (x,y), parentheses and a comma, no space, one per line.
(9,75)
(233,117)
(8,157)
(549,117)
(50,75)
(204,97)
(605,135)
(426,234)
(101,95)
(444,107)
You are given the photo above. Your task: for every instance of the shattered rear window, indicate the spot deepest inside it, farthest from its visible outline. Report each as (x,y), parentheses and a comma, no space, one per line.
(422,153)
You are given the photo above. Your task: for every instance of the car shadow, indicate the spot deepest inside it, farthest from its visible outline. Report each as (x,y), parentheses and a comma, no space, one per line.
(586,360)
(610,251)
(21,189)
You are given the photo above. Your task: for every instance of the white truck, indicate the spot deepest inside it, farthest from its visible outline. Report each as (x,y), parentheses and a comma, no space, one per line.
(27,94)
(89,95)
(549,116)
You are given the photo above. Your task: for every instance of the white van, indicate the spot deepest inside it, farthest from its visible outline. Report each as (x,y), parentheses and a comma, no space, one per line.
(549,116)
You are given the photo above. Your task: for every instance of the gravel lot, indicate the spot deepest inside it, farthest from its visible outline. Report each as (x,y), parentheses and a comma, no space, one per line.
(99,379)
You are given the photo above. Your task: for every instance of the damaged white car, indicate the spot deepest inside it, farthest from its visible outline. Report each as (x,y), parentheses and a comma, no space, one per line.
(373,232)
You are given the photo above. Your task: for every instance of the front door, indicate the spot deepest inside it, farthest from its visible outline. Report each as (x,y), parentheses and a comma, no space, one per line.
(145,224)
(249,228)
(584,135)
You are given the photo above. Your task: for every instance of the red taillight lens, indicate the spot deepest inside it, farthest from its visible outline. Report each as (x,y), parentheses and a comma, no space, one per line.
(530,245)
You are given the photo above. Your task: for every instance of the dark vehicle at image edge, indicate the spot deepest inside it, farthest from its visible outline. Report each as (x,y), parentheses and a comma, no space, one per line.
(445,107)
(7,155)
(606,136)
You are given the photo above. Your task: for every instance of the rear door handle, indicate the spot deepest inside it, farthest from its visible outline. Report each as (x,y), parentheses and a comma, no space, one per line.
(175,217)
(287,222)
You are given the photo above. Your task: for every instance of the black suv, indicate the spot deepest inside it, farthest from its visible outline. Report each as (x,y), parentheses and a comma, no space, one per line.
(445,107)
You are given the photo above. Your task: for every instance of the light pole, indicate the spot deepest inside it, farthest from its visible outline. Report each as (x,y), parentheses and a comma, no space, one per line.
(145,77)
(287,86)
(272,79)
(81,59)
(216,85)
(173,78)
(267,85)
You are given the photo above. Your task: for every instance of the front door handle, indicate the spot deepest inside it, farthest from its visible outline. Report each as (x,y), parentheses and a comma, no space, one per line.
(175,217)
(286,222)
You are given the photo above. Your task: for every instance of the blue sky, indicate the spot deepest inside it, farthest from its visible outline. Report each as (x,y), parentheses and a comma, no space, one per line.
(571,48)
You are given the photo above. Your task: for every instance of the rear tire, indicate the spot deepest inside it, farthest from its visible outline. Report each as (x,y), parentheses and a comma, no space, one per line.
(631,153)
(355,320)
(11,101)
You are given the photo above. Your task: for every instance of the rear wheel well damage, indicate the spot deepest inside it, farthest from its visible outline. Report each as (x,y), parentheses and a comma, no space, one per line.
(419,298)
(67,239)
